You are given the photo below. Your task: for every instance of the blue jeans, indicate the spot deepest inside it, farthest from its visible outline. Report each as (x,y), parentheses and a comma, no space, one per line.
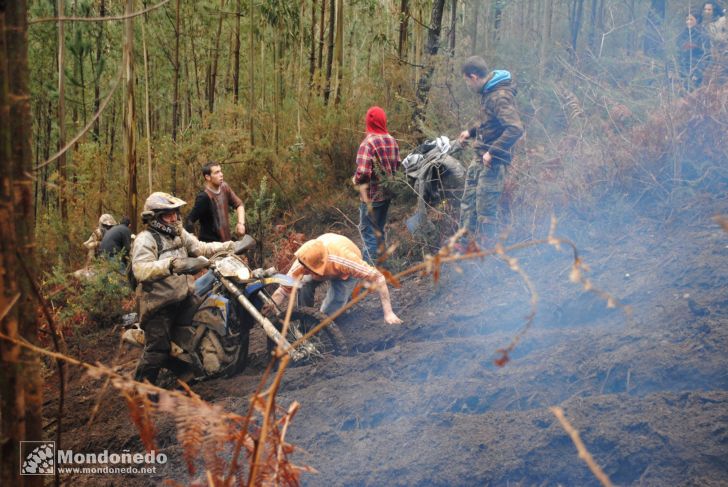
(336,297)
(371,226)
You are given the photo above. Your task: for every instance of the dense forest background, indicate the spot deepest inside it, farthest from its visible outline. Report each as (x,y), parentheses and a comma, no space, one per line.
(276,90)
(104,101)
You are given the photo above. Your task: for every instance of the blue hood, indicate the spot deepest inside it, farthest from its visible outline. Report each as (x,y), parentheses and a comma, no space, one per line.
(499,75)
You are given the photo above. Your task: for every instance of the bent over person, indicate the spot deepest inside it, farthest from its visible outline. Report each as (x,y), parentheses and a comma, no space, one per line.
(498,128)
(117,240)
(164,257)
(334,258)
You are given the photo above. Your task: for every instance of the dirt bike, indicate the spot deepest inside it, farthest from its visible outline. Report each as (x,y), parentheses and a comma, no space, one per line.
(436,177)
(229,298)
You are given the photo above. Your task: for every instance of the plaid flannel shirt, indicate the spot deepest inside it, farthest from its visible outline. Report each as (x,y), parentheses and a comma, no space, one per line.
(378,155)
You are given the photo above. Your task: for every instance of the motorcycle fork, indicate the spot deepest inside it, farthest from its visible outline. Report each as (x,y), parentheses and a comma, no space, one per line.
(268,327)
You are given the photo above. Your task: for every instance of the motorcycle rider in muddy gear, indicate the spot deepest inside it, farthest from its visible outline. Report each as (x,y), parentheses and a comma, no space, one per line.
(165,287)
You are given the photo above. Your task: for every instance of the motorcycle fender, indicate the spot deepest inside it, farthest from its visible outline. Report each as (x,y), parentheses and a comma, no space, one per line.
(213,313)
(282,279)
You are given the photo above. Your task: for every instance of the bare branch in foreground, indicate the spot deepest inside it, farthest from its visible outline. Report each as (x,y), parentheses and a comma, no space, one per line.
(583,452)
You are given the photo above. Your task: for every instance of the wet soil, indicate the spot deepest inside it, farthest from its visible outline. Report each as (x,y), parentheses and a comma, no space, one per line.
(645,383)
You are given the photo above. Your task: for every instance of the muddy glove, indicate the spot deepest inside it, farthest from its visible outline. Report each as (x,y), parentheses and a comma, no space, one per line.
(188,265)
(245,243)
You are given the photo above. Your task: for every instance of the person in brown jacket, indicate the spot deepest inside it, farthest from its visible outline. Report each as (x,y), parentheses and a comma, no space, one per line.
(497,129)
(212,205)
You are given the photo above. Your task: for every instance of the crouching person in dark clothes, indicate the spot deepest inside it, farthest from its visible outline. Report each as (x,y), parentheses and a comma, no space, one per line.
(117,241)
(164,258)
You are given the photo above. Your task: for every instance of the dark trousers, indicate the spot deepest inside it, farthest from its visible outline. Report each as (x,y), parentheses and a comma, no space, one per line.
(157,343)
(371,226)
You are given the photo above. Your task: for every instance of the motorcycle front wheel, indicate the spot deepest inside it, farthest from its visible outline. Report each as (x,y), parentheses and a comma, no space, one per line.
(327,342)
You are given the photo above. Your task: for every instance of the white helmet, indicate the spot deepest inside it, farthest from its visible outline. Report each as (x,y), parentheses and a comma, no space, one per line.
(160,202)
(106,220)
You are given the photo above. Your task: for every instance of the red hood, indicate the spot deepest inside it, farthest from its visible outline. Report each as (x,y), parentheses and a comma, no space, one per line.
(376,121)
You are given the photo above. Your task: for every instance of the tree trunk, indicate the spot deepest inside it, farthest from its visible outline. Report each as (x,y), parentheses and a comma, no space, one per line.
(424,85)
(453,26)
(21,393)
(330,53)
(62,170)
(339,49)
(213,62)
(545,36)
(276,85)
(130,118)
(403,27)
(175,102)
(653,40)
(474,29)
(576,13)
(497,18)
(312,55)
(175,95)
(112,132)
(251,73)
(191,35)
(46,153)
(146,111)
(236,56)
(322,24)
(187,113)
(98,70)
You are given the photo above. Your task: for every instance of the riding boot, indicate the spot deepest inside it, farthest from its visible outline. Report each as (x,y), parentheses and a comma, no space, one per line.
(146,371)
(179,369)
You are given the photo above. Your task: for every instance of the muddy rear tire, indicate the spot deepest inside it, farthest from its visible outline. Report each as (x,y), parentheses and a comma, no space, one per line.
(242,361)
(242,327)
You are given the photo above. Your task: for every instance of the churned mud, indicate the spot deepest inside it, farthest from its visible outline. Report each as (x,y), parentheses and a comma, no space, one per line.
(645,383)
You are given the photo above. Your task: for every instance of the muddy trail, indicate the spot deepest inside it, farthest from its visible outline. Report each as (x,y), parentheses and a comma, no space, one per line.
(645,383)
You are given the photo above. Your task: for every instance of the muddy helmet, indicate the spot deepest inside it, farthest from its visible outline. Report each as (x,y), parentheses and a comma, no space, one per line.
(313,255)
(160,202)
(106,220)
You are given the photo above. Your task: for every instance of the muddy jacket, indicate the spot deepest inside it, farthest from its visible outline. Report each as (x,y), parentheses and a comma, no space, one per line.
(499,125)
(93,242)
(158,287)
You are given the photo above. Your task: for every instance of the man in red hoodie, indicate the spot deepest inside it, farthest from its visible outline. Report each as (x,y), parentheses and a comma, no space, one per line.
(378,157)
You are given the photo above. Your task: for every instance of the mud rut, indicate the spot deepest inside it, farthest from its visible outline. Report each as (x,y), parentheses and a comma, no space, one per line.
(423,403)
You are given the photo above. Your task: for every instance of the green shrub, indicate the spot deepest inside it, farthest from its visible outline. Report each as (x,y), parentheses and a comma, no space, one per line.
(95,296)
